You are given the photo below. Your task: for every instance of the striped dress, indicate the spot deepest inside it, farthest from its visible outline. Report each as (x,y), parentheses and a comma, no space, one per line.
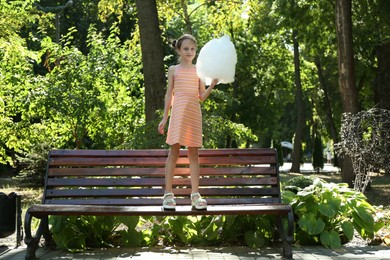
(185,123)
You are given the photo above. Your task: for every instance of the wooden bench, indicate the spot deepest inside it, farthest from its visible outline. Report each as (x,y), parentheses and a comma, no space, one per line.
(130,182)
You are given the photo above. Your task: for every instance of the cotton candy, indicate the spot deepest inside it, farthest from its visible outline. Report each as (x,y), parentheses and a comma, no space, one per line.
(217,60)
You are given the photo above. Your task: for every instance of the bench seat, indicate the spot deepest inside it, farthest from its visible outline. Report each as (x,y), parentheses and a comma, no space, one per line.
(98,210)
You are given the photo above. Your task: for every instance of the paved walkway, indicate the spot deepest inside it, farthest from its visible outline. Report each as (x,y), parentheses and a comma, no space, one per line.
(209,253)
(308,168)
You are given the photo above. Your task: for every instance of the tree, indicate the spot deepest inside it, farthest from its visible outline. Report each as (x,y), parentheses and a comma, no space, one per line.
(152,57)
(14,75)
(382,86)
(58,10)
(297,151)
(346,67)
(318,155)
(293,21)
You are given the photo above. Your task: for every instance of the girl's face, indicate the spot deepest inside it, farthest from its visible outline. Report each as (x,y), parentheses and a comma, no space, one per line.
(187,50)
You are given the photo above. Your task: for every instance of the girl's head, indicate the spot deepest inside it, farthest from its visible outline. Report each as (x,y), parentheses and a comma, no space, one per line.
(185,47)
(179,42)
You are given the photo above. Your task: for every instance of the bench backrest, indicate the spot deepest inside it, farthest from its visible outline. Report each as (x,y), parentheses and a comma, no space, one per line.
(136,177)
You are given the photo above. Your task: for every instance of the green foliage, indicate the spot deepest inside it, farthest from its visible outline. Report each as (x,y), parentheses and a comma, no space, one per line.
(35,163)
(256,231)
(80,232)
(82,101)
(220,128)
(95,99)
(329,213)
(298,183)
(253,231)
(15,86)
(88,95)
(13,16)
(183,230)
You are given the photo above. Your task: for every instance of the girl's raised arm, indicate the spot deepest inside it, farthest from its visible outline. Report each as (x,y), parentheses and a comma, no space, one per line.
(205,93)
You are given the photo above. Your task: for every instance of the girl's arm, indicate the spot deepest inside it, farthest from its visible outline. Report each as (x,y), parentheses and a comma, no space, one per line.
(205,93)
(168,100)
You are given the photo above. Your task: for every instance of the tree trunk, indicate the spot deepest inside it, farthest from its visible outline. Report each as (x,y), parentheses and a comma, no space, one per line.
(297,149)
(152,57)
(327,104)
(186,16)
(347,81)
(382,86)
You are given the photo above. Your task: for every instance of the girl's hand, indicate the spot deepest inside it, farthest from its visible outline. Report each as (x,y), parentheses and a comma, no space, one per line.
(214,82)
(161,126)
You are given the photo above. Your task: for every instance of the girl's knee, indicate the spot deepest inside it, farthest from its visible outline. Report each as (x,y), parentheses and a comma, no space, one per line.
(193,152)
(174,151)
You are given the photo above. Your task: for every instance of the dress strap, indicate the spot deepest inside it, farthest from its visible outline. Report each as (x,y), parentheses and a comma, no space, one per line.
(177,67)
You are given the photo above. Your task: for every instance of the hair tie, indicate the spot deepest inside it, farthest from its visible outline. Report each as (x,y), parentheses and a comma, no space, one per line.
(174,43)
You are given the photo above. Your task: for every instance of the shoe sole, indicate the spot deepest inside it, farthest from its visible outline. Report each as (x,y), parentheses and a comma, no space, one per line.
(169,208)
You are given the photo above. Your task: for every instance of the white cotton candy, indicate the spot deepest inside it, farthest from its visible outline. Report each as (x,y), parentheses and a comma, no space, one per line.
(217,60)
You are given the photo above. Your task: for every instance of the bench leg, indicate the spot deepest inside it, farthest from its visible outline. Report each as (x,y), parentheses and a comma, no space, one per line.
(287,235)
(32,242)
(49,241)
(19,231)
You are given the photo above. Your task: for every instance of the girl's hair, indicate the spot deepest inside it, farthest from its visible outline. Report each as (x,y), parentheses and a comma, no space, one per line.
(177,43)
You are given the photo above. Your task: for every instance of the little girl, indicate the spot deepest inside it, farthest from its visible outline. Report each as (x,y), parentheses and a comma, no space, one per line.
(184,91)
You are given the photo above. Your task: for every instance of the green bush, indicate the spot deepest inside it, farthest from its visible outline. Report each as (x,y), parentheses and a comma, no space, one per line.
(252,231)
(298,183)
(329,213)
(80,232)
(76,233)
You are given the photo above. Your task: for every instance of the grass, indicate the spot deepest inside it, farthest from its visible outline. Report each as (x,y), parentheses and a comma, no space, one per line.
(30,194)
(380,193)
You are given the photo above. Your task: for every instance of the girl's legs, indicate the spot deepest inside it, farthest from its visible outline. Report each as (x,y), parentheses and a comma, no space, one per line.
(194,168)
(196,199)
(170,166)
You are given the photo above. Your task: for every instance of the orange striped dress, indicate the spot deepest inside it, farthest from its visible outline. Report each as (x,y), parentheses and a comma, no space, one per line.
(185,123)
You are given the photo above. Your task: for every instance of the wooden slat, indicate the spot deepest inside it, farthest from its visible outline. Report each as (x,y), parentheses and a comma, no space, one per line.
(158,192)
(100,171)
(62,153)
(159,152)
(233,151)
(110,182)
(236,160)
(158,201)
(138,182)
(104,161)
(157,161)
(237,181)
(74,193)
(44,210)
(153,172)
